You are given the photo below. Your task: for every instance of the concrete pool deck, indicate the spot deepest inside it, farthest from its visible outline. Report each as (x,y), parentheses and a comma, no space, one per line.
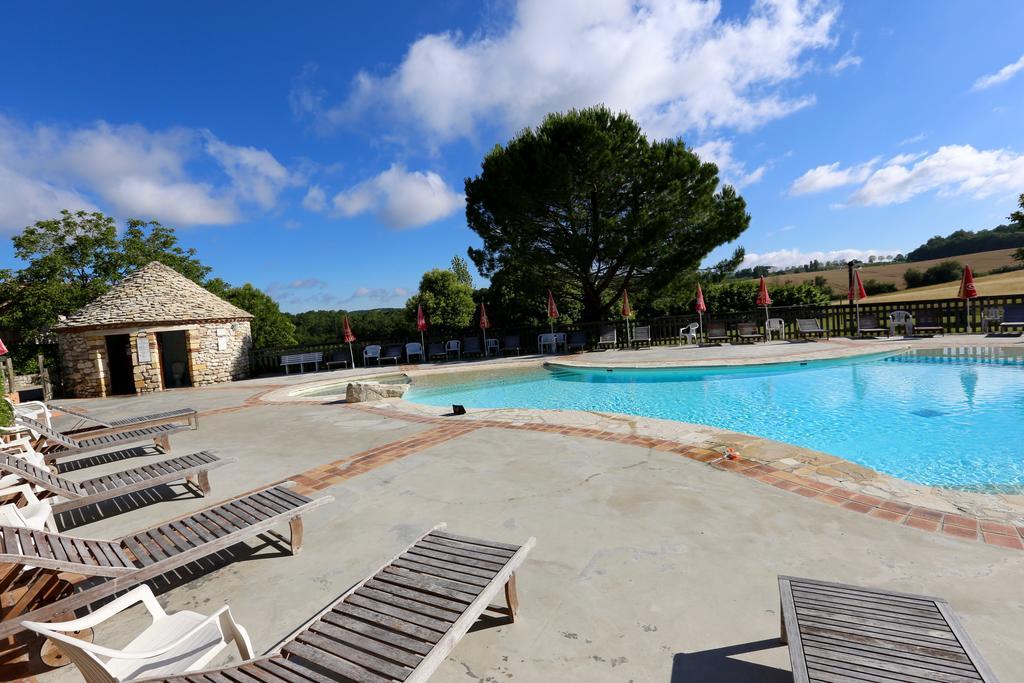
(648,566)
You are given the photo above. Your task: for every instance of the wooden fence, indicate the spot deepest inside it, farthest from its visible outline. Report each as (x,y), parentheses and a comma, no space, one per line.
(838,319)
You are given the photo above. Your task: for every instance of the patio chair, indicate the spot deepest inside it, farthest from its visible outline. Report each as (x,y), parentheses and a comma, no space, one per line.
(511,343)
(901,319)
(928,323)
(435,350)
(841,632)
(868,325)
(400,623)
(546,341)
(810,327)
(577,340)
(716,333)
(471,347)
(392,352)
(413,349)
(776,327)
(35,566)
(642,335)
(337,357)
(453,346)
(54,444)
(748,332)
(991,316)
(371,352)
(32,513)
(64,494)
(172,644)
(608,337)
(689,333)
(1013,318)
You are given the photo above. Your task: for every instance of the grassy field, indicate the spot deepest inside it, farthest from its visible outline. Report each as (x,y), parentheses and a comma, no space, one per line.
(893,272)
(989,285)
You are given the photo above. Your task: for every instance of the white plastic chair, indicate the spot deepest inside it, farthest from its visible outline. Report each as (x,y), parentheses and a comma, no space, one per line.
(991,315)
(34,514)
(453,345)
(775,325)
(689,333)
(897,318)
(173,644)
(546,340)
(36,410)
(371,352)
(413,349)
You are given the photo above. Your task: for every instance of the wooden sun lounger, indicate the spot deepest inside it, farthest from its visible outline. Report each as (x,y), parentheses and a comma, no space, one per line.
(187,416)
(398,624)
(928,323)
(194,468)
(838,632)
(132,559)
(59,445)
(748,332)
(716,332)
(868,324)
(810,326)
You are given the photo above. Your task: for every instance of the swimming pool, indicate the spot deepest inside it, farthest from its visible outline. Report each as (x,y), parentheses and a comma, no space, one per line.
(941,417)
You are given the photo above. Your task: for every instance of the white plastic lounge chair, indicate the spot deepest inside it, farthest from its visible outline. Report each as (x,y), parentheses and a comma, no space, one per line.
(453,346)
(413,349)
(31,514)
(398,624)
(371,352)
(689,333)
(172,644)
(810,326)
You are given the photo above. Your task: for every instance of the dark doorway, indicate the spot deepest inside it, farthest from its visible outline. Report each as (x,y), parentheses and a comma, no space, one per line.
(119,361)
(174,359)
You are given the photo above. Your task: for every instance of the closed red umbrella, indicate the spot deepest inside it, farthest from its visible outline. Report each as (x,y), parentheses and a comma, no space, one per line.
(763,299)
(967,292)
(701,308)
(421,323)
(3,349)
(485,322)
(348,337)
(626,312)
(552,310)
(857,292)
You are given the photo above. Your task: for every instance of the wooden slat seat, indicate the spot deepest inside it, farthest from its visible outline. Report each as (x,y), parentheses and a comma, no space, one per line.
(144,554)
(839,632)
(56,444)
(185,416)
(398,624)
(65,494)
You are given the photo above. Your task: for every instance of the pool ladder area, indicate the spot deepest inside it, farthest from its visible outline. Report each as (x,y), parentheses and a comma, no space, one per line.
(962,354)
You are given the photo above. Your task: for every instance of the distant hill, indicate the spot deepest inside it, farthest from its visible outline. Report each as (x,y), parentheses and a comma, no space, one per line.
(988,285)
(893,272)
(964,242)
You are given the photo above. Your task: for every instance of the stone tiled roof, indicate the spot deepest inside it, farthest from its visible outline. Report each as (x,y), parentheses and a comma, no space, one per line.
(153,294)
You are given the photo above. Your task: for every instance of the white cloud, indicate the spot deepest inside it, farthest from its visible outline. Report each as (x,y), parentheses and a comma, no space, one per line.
(1001,76)
(133,172)
(731,170)
(845,62)
(400,199)
(950,170)
(913,139)
(315,199)
(675,65)
(830,176)
(784,258)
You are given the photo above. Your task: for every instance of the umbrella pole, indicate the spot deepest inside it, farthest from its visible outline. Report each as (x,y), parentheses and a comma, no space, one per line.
(767,334)
(700,326)
(351,356)
(423,347)
(968,302)
(485,343)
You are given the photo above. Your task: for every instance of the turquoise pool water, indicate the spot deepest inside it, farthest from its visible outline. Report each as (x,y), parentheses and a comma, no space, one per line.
(942,417)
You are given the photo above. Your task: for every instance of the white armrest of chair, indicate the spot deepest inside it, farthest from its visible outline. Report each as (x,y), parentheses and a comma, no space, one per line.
(23,489)
(229,628)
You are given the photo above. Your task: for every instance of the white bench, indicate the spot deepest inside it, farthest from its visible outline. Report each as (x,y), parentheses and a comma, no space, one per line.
(300,359)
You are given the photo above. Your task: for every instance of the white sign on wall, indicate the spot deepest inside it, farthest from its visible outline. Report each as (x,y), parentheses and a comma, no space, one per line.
(222,339)
(142,344)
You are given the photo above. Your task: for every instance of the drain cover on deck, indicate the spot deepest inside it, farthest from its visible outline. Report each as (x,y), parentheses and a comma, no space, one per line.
(927,412)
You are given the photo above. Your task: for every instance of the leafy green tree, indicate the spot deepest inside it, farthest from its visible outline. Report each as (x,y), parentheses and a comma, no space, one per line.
(586,199)
(738,296)
(270,327)
(447,302)
(1018,216)
(946,271)
(461,270)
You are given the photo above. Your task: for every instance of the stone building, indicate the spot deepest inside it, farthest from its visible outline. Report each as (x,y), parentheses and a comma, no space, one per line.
(155,330)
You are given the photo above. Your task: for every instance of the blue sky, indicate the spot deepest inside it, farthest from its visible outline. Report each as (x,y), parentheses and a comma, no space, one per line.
(318,150)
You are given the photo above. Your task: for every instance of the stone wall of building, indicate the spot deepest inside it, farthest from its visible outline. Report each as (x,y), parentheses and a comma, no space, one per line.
(148,373)
(219,352)
(83,357)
